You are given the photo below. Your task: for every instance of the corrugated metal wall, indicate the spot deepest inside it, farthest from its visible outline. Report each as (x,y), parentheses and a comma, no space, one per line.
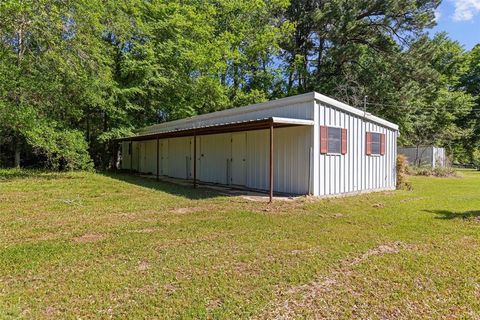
(180,163)
(215,162)
(425,155)
(291,159)
(440,158)
(129,161)
(213,154)
(299,167)
(355,171)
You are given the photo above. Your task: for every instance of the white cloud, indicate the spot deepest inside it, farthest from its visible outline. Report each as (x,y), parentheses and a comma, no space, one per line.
(465,9)
(438,15)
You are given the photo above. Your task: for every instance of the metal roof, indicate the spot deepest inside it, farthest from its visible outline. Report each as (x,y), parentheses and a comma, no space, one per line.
(185,127)
(247,125)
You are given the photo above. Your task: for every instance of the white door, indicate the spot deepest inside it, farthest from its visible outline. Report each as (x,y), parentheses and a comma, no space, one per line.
(202,164)
(179,154)
(238,162)
(214,154)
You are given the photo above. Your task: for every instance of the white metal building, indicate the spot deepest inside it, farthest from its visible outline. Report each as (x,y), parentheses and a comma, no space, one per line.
(305,144)
(425,156)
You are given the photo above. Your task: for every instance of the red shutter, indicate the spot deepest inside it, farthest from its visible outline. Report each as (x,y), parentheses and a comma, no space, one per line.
(323,139)
(368,143)
(382,144)
(344,141)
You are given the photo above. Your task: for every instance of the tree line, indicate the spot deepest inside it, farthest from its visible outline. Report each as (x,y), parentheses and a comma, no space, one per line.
(76,74)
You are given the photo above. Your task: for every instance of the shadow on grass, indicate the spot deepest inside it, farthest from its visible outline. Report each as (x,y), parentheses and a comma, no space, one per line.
(449,215)
(164,186)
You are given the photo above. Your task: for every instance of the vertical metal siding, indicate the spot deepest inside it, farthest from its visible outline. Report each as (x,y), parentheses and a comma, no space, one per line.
(355,171)
(214,151)
(148,157)
(428,155)
(179,155)
(291,159)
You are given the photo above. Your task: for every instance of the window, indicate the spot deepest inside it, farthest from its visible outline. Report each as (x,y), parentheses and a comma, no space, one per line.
(375,144)
(333,140)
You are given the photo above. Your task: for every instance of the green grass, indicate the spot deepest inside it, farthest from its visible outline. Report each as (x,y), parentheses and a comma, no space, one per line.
(84,245)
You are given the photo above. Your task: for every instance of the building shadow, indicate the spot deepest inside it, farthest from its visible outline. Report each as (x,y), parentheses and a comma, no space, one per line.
(450,215)
(182,189)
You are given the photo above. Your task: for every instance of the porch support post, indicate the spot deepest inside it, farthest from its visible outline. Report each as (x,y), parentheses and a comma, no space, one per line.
(158,158)
(271,162)
(194,159)
(131,156)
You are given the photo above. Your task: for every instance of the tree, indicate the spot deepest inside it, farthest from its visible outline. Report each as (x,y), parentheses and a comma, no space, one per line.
(331,35)
(75,75)
(470,83)
(53,70)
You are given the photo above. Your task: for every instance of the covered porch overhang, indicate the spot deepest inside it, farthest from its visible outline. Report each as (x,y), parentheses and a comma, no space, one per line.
(248,125)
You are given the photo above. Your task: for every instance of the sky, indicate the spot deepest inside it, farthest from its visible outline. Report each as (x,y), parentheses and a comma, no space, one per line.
(461,20)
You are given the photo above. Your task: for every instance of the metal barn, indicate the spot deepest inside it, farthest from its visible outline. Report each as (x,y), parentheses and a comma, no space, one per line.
(425,156)
(305,144)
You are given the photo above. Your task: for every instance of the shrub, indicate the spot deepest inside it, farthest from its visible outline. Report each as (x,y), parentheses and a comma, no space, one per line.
(443,172)
(402,173)
(64,149)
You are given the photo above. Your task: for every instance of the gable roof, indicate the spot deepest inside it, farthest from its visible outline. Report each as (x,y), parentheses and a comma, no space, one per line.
(196,121)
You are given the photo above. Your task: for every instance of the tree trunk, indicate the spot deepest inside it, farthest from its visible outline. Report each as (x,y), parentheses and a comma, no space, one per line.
(106,151)
(20,52)
(18,147)
(88,129)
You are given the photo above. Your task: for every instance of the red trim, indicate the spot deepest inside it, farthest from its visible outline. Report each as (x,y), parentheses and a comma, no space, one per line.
(382,144)
(323,139)
(344,141)
(368,144)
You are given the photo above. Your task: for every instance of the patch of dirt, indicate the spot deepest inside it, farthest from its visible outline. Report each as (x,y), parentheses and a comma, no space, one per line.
(170,288)
(337,215)
(378,205)
(244,269)
(149,289)
(277,207)
(263,198)
(214,304)
(304,296)
(51,311)
(473,219)
(186,210)
(89,237)
(143,266)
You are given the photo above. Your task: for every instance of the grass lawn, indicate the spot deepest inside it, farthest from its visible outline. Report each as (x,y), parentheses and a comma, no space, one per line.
(83,245)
